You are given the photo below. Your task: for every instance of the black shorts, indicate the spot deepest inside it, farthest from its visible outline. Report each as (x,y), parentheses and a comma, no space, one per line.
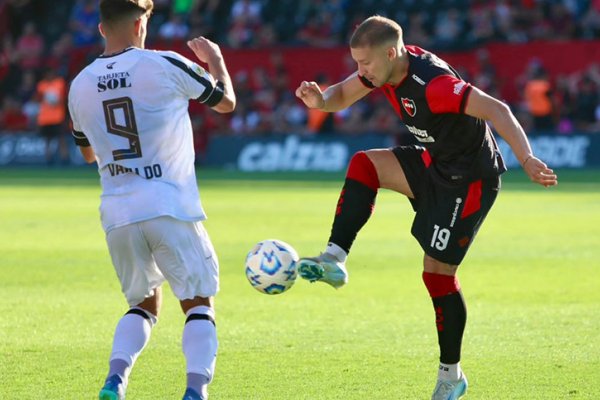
(448,215)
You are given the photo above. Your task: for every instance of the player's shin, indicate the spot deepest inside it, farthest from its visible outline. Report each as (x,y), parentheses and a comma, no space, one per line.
(200,345)
(450,318)
(131,336)
(356,202)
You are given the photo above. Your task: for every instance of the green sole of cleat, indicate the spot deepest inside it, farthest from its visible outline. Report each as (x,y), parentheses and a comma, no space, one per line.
(108,395)
(311,272)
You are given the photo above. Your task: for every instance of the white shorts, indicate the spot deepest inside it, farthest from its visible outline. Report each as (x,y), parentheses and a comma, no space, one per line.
(147,253)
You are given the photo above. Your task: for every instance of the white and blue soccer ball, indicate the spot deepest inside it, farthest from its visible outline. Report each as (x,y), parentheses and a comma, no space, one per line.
(271,266)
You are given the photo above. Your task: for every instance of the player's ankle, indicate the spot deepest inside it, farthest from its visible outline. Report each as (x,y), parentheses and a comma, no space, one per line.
(336,251)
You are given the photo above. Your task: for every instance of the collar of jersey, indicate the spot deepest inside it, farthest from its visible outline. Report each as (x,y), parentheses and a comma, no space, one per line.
(116,54)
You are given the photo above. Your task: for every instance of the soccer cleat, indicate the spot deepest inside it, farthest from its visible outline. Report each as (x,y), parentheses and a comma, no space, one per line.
(324,268)
(191,394)
(114,389)
(450,390)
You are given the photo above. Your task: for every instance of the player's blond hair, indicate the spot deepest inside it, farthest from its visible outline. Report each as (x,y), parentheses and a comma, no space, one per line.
(375,31)
(114,11)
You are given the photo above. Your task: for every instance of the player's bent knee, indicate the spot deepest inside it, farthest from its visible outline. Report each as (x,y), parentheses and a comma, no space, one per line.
(362,169)
(147,315)
(188,304)
(439,285)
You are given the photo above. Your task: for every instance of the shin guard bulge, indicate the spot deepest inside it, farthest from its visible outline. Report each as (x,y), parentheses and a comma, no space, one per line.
(356,201)
(450,314)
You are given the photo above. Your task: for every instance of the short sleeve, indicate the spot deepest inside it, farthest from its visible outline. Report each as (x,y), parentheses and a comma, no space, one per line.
(447,94)
(78,136)
(194,81)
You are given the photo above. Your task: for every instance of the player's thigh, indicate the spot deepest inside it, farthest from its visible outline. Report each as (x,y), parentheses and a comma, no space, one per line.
(389,171)
(448,218)
(133,262)
(185,255)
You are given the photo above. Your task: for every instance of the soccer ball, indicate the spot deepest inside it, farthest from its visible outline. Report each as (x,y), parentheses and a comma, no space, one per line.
(271,266)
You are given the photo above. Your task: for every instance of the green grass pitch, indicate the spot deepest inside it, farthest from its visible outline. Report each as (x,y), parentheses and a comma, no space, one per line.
(531,281)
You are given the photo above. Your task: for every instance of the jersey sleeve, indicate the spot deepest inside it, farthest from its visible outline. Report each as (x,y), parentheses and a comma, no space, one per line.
(193,80)
(78,136)
(447,94)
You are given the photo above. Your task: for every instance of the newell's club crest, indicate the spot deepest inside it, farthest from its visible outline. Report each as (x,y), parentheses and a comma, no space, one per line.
(409,106)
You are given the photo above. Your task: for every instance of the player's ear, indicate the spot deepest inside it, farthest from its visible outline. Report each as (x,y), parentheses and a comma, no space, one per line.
(101,30)
(138,27)
(392,52)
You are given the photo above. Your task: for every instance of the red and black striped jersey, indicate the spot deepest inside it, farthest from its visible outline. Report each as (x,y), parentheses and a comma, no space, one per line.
(431,101)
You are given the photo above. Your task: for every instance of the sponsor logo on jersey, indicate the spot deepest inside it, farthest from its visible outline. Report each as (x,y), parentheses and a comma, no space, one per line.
(421,134)
(419,80)
(114,80)
(110,66)
(458,87)
(409,106)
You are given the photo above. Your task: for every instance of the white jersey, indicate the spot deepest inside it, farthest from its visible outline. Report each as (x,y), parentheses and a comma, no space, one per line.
(132,108)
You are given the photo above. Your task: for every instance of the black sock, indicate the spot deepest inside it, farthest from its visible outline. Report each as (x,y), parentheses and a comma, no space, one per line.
(450,318)
(354,208)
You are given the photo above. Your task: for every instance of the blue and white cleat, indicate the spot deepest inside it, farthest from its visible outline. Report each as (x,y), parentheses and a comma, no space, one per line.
(450,390)
(191,394)
(324,268)
(114,389)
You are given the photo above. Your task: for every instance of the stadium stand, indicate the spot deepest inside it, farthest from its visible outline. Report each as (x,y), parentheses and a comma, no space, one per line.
(538,55)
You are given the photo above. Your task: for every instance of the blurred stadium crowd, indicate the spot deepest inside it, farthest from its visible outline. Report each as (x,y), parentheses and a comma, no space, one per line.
(38,39)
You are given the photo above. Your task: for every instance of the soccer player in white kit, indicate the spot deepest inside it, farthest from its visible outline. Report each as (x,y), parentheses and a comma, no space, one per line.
(130,114)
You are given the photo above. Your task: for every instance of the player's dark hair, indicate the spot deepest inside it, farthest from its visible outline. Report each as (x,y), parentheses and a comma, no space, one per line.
(115,11)
(375,31)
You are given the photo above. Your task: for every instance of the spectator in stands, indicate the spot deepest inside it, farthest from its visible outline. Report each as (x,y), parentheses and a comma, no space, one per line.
(51,94)
(12,118)
(586,102)
(25,95)
(318,31)
(538,98)
(84,23)
(58,57)
(174,29)
(565,102)
(30,47)
(245,21)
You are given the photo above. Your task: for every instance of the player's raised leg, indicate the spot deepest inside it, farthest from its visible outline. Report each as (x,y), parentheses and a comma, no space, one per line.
(367,172)
(131,336)
(450,317)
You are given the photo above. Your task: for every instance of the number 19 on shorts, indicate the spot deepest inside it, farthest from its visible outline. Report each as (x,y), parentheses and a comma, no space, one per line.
(440,238)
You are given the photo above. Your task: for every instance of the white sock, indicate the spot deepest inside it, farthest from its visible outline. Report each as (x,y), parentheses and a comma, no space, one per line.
(449,372)
(336,251)
(199,343)
(131,336)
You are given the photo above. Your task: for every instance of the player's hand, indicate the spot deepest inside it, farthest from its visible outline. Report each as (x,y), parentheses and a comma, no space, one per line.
(539,172)
(204,49)
(310,93)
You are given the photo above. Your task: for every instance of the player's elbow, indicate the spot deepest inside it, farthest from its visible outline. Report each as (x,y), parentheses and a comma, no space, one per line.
(226,105)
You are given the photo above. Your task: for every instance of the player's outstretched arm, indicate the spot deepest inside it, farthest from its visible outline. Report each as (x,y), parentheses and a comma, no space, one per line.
(336,97)
(210,53)
(481,105)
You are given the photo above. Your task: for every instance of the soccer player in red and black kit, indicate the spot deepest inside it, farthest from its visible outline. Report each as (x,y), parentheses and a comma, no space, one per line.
(451,179)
